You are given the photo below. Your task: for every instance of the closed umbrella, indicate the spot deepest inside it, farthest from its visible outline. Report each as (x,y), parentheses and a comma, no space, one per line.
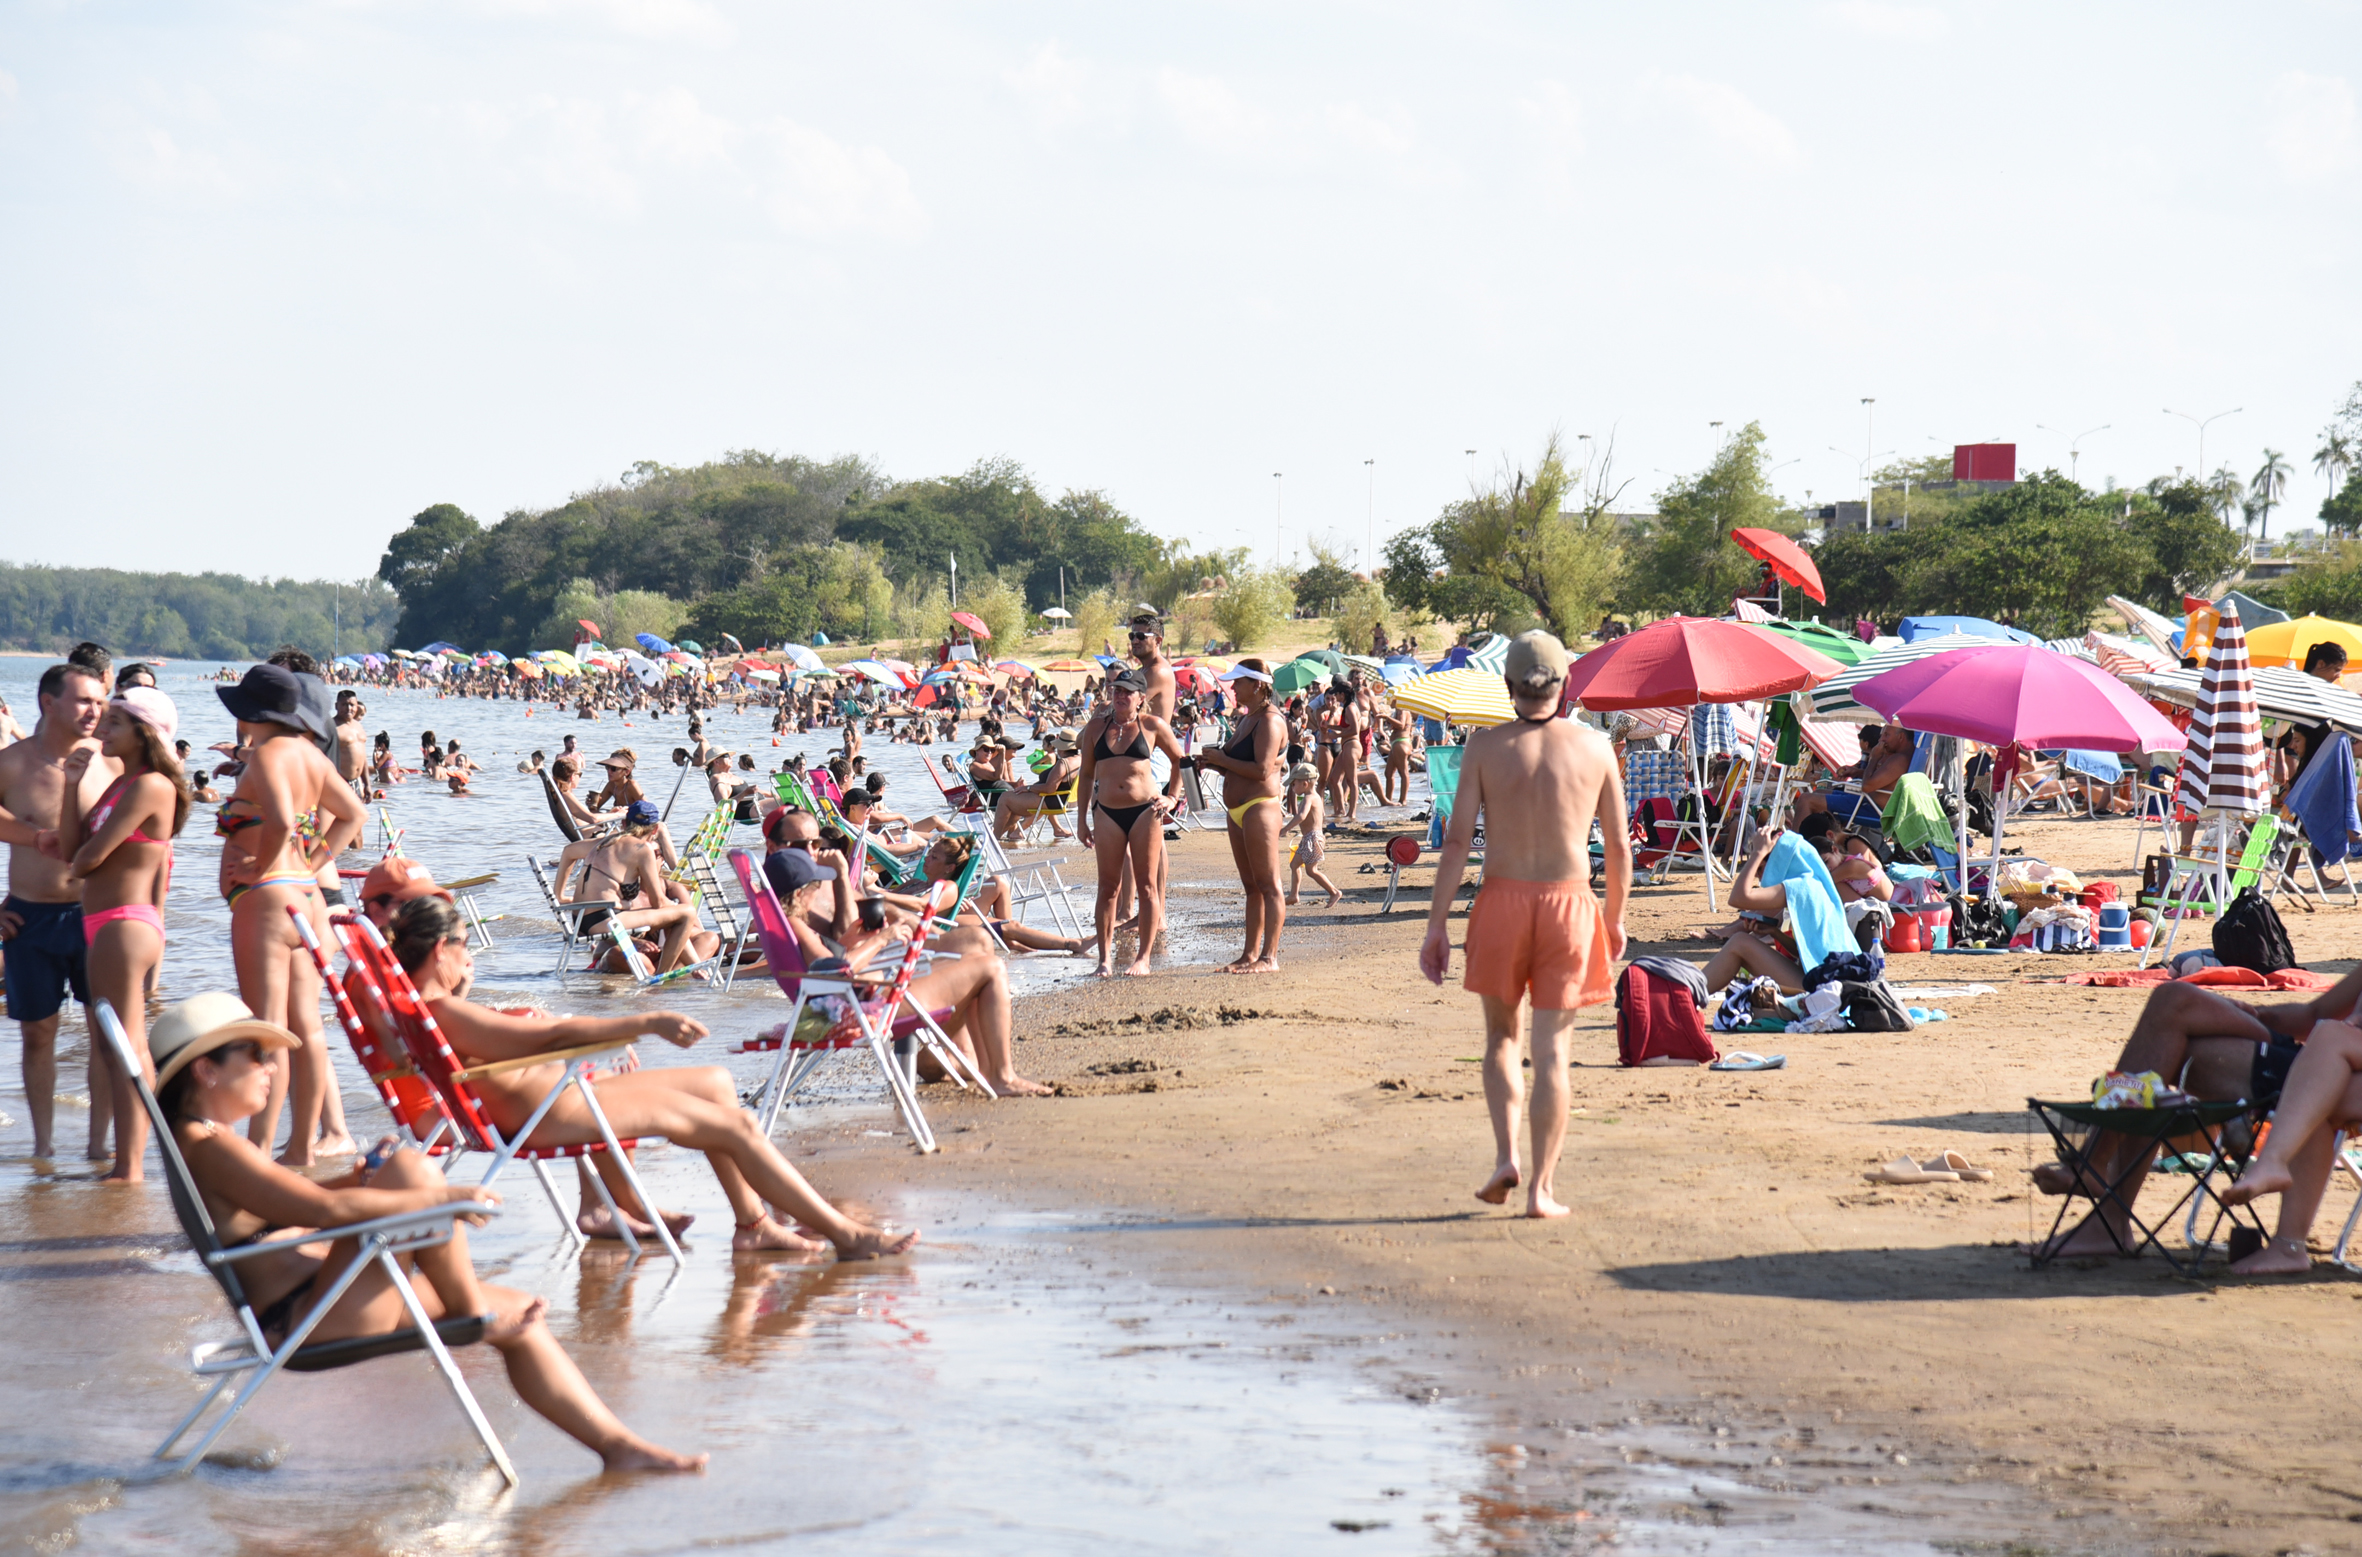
(1788,560)
(1467,696)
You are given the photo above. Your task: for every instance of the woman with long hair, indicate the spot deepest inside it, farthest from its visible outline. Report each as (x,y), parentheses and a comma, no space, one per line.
(1125,816)
(1250,763)
(693,1108)
(121,852)
(274,844)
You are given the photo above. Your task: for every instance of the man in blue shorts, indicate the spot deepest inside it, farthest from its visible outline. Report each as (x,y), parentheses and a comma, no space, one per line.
(41,921)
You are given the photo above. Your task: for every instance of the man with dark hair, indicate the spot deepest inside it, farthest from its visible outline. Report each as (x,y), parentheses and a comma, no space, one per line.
(41,937)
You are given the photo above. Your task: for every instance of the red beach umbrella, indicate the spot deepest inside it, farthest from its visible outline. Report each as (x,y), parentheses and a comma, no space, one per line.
(1789,560)
(1685,660)
(971,624)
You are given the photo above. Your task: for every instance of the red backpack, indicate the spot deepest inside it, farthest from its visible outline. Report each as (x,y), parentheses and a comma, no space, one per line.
(1657,1019)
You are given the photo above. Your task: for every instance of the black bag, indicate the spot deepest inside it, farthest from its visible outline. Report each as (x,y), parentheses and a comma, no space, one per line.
(2250,935)
(1873,1008)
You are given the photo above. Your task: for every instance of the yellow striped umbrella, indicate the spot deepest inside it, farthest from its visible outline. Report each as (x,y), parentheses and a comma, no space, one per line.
(1477,698)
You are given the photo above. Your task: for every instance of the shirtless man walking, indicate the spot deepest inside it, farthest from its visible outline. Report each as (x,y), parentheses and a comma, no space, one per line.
(1535,783)
(41,922)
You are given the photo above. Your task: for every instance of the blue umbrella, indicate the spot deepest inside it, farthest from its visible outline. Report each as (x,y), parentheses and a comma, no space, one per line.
(1915,628)
(653,644)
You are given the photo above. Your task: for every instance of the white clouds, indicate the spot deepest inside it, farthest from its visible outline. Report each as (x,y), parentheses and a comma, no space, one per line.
(2313,131)
(1909,23)
(1725,118)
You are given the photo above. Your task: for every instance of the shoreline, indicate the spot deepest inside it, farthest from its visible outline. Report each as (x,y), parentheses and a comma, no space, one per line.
(1726,1266)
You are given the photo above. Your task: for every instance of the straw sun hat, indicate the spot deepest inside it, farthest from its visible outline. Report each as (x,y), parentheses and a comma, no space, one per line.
(203,1023)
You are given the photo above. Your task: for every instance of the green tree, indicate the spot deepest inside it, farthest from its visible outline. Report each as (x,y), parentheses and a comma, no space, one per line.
(1685,560)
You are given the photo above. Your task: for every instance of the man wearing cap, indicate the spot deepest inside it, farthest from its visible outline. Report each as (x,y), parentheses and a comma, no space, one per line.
(1534,931)
(1019,806)
(41,938)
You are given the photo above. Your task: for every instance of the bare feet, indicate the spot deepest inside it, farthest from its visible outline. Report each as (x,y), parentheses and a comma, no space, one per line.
(768,1235)
(2278,1257)
(2255,1183)
(638,1454)
(871,1243)
(1496,1189)
(600,1224)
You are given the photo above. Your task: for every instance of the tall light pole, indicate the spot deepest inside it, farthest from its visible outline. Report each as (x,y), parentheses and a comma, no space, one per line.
(1275,526)
(1370,551)
(2201,424)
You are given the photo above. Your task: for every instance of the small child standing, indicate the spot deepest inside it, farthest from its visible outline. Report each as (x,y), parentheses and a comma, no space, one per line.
(1305,815)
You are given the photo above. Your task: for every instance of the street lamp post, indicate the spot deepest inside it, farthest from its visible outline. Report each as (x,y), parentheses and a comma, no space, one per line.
(2201,425)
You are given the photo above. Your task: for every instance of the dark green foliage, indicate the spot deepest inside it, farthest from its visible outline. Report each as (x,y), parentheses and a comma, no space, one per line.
(189,616)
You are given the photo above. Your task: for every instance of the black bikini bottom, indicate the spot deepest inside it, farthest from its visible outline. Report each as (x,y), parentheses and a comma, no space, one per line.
(1124,816)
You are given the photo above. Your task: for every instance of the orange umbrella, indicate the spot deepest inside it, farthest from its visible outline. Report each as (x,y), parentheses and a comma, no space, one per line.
(1789,560)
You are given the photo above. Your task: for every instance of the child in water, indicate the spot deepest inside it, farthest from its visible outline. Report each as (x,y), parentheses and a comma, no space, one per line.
(1305,816)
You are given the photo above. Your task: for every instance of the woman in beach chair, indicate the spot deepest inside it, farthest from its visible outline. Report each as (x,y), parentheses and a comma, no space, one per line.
(215,1066)
(695,1108)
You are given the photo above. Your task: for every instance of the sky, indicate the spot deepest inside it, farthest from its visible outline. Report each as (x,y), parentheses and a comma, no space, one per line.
(275,276)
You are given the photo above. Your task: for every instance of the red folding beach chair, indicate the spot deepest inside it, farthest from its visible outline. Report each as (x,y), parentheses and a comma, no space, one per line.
(860,1011)
(377,980)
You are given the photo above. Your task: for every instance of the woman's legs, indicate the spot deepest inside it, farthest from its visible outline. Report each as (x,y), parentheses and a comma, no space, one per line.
(123,955)
(543,1376)
(698,1109)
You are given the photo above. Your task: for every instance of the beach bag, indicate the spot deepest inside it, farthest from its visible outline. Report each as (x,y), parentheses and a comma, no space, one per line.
(1873,1008)
(1657,1019)
(2250,935)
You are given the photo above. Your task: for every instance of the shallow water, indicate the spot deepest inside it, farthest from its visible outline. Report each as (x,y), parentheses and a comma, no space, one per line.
(1026,1382)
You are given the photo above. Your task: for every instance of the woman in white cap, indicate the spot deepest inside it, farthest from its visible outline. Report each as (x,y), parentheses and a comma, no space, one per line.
(291,815)
(121,851)
(217,1065)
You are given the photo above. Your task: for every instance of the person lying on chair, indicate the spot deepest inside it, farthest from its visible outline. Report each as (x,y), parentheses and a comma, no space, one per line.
(214,1066)
(2219,1050)
(692,1108)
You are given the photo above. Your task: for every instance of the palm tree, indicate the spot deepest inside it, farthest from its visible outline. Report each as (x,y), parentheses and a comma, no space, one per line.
(2269,485)
(2334,458)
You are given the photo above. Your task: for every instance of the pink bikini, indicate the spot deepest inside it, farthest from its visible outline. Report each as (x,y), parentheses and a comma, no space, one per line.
(95,920)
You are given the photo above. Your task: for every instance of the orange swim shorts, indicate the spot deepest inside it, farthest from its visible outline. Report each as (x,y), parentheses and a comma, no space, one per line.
(1539,938)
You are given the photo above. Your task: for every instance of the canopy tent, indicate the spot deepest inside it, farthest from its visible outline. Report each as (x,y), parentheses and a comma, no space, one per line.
(1788,560)
(1915,628)
(1467,696)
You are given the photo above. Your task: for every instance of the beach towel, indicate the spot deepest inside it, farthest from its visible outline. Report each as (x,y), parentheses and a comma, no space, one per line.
(2323,800)
(1813,911)
(1914,815)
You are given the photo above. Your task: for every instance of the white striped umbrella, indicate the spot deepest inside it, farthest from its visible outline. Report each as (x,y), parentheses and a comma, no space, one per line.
(2223,770)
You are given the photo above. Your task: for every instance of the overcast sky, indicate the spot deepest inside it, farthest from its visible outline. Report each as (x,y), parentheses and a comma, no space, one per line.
(273,277)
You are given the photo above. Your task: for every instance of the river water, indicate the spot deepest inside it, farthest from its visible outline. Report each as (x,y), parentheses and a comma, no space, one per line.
(1025,1383)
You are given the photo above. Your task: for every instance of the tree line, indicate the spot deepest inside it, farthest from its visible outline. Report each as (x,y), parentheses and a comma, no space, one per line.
(206,616)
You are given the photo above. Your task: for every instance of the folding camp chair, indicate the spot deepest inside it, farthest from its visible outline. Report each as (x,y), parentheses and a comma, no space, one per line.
(370,969)
(2189,874)
(860,1012)
(251,1358)
(569,913)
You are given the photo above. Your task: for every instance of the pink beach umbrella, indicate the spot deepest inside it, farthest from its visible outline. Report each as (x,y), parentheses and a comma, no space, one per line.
(2015,696)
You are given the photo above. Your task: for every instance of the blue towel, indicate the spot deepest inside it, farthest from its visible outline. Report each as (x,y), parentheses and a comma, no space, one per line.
(1821,931)
(2323,800)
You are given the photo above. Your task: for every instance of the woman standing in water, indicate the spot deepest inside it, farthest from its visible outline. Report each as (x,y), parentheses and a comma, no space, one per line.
(122,854)
(1250,763)
(273,847)
(1126,815)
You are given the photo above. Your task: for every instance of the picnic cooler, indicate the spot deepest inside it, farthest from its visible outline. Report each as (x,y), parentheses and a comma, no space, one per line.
(1657,1018)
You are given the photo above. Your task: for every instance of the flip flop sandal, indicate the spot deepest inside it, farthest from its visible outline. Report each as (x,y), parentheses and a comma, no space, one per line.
(1967,1170)
(1904,1171)
(1746,1059)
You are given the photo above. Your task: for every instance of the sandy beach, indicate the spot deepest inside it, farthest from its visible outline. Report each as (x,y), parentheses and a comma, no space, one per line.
(1727,1272)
